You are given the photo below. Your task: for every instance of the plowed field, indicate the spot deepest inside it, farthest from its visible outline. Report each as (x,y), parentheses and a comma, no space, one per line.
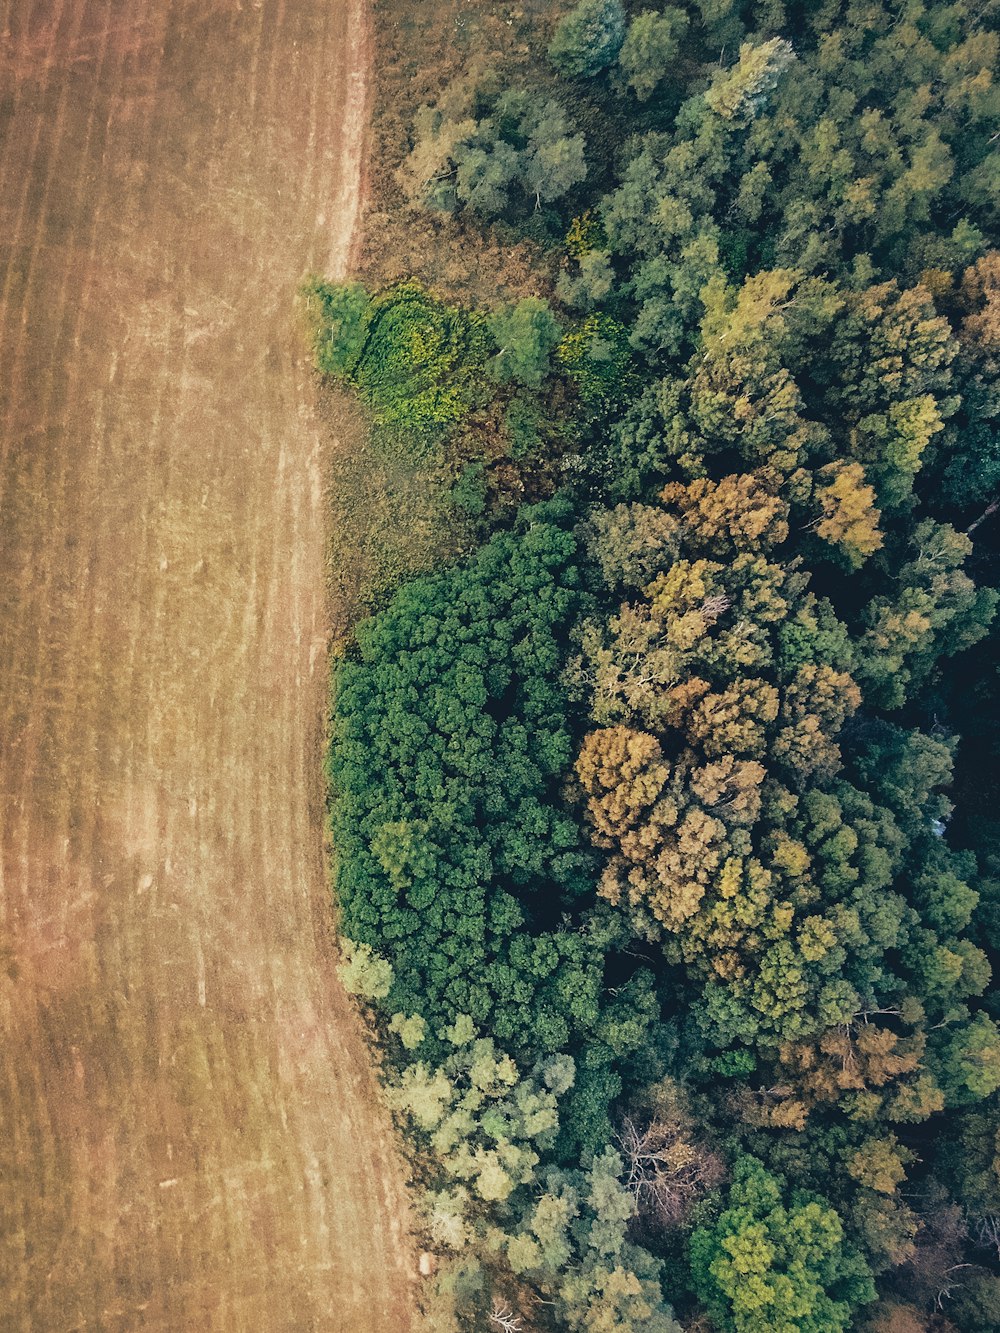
(189,1135)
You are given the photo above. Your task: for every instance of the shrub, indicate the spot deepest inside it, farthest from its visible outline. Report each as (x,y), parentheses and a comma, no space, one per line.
(415,361)
(340,323)
(597,358)
(421,363)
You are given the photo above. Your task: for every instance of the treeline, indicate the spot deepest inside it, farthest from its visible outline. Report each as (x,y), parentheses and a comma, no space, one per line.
(665,823)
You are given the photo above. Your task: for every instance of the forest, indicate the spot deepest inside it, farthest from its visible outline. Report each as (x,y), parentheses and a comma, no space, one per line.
(665,809)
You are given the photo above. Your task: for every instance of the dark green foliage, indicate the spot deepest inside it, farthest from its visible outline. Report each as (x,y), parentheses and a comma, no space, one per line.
(597,358)
(451,737)
(976,1307)
(522,423)
(469,491)
(931,609)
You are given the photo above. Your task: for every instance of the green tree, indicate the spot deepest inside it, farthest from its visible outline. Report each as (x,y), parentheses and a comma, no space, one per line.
(574,1244)
(771,1266)
(485,1120)
(588,38)
(972,1061)
(587,282)
(553,161)
(526,333)
(739,93)
(650,49)
(485,169)
(450,739)
(523,144)
(363,972)
(935,610)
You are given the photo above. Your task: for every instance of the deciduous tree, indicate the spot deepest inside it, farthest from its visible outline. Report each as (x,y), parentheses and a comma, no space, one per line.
(588,38)
(650,48)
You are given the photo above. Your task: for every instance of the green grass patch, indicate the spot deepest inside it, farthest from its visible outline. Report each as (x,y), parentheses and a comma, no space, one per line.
(417,363)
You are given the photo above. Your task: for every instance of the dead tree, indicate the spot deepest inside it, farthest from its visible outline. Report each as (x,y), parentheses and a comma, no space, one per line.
(988,1232)
(666,1171)
(504,1318)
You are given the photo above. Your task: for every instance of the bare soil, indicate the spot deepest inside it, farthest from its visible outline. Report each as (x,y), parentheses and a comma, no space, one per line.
(190,1136)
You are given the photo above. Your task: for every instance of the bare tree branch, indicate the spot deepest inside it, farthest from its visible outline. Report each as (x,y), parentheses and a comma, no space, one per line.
(666,1172)
(504,1318)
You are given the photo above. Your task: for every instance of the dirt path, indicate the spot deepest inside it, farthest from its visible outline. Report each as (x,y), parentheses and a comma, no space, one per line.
(189,1139)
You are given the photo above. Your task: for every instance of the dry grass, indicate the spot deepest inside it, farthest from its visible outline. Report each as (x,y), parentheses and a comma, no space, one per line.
(390,518)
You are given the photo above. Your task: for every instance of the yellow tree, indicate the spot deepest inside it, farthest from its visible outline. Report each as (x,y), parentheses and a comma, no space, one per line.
(849,517)
(741,511)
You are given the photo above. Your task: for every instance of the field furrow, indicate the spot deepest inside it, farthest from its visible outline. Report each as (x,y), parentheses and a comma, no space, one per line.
(189,1131)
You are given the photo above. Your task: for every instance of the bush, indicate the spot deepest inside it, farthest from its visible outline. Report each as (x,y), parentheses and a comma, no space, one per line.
(340,323)
(421,364)
(597,358)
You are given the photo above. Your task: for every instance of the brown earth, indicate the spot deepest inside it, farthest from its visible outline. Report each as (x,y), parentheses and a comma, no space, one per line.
(190,1138)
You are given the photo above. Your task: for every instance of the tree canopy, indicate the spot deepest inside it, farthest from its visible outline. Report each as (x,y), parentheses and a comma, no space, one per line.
(664,815)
